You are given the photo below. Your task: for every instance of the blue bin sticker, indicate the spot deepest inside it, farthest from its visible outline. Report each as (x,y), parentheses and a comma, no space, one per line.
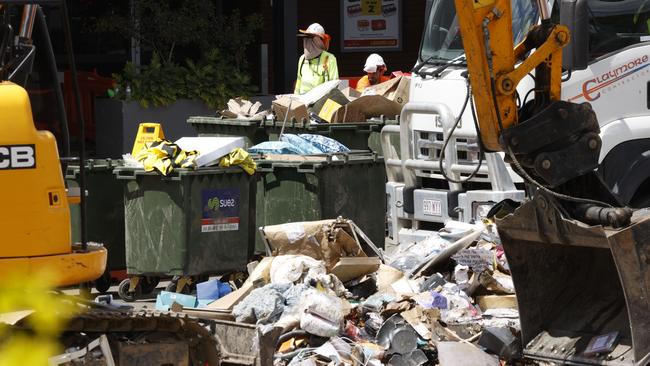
(220,210)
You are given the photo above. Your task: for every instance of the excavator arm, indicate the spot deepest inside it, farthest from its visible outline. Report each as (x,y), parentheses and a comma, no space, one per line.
(578,262)
(550,142)
(486,28)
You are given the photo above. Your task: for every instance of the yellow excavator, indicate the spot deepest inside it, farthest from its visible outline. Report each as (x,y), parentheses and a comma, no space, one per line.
(580,262)
(35,215)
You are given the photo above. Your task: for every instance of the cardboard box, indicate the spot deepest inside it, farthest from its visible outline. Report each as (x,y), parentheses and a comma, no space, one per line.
(365,107)
(396,90)
(296,109)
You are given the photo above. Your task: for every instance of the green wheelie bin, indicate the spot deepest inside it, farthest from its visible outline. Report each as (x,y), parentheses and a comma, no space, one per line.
(104,213)
(252,131)
(189,224)
(294,188)
(354,135)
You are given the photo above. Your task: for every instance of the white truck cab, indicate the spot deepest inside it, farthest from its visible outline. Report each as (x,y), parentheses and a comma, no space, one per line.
(615,82)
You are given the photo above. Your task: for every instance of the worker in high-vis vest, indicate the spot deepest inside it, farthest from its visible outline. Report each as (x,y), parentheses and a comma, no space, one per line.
(316,65)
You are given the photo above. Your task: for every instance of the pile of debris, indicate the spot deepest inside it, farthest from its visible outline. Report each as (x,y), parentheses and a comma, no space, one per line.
(331,102)
(330,297)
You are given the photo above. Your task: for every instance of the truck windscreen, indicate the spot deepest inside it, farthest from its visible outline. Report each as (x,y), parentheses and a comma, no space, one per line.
(442,40)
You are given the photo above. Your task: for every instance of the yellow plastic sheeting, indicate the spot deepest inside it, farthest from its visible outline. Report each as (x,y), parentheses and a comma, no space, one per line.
(239,157)
(164,156)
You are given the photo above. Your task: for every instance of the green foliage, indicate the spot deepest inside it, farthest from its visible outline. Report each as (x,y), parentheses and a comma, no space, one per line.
(215,79)
(218,74)
(157,84)
(163,25)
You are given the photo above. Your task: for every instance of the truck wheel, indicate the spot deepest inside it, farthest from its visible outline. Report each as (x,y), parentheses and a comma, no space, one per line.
(123,291)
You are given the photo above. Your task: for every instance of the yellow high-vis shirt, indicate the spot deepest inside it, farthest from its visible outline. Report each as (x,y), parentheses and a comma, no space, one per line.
(316,71)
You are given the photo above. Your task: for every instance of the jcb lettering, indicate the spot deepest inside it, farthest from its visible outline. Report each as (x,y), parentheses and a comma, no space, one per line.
(17,157)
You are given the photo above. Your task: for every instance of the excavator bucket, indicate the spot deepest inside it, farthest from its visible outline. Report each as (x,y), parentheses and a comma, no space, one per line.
(583,291)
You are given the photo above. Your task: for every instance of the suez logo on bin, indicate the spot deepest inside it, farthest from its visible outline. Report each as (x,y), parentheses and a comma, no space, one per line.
(220,210)
(215,203)
(17,157)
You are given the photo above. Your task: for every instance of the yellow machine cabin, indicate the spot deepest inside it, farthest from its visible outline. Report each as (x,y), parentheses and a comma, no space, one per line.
(35,216)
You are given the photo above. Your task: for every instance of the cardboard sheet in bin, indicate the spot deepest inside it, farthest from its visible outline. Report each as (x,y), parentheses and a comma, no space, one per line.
(385,99)
(364,108)
(211,149)
(326,240)
(296,109)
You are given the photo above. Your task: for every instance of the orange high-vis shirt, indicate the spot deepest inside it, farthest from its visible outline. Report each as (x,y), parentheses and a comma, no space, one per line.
(363,83)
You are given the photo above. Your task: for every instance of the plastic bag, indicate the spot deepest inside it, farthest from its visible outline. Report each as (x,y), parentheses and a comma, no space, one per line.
(262,306)
(290,269)
(409,256)
(325,144)
(305,147)
(322,313)
(274,147)
(163,156)
(239,157)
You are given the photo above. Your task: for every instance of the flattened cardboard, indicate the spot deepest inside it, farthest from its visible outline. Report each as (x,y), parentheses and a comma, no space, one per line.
(314,239)
(229,301)
(366,107)
(350,268)
(497,302)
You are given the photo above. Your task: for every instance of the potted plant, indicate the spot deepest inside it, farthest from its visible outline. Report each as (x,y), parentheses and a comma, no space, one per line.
(196,61)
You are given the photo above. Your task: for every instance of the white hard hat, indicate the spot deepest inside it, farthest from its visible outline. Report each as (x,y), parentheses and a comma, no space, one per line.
(315,29)
(372,62)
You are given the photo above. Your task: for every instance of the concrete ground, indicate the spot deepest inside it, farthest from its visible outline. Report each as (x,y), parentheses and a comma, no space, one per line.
(146,302)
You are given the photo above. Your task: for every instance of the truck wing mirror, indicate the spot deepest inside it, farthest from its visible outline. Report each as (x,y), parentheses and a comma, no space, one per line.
(575,15)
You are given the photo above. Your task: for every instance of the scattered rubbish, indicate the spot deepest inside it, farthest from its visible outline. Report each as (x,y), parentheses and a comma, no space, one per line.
(501,342)
(496,302)
(466,354)
(325,289)
(71,356)
(244,110)
(165,299)
(601,344)
(349,268)
(322,313)
(262,306)
(327,240)
(212,290)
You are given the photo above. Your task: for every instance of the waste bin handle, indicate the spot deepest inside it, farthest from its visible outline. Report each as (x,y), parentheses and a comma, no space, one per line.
(264,167)
(70,172)
(344,155)
(125,174)
(307,168)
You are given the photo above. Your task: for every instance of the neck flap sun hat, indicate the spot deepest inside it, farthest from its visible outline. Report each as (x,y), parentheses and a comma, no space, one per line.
(373,62)
(316,30)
